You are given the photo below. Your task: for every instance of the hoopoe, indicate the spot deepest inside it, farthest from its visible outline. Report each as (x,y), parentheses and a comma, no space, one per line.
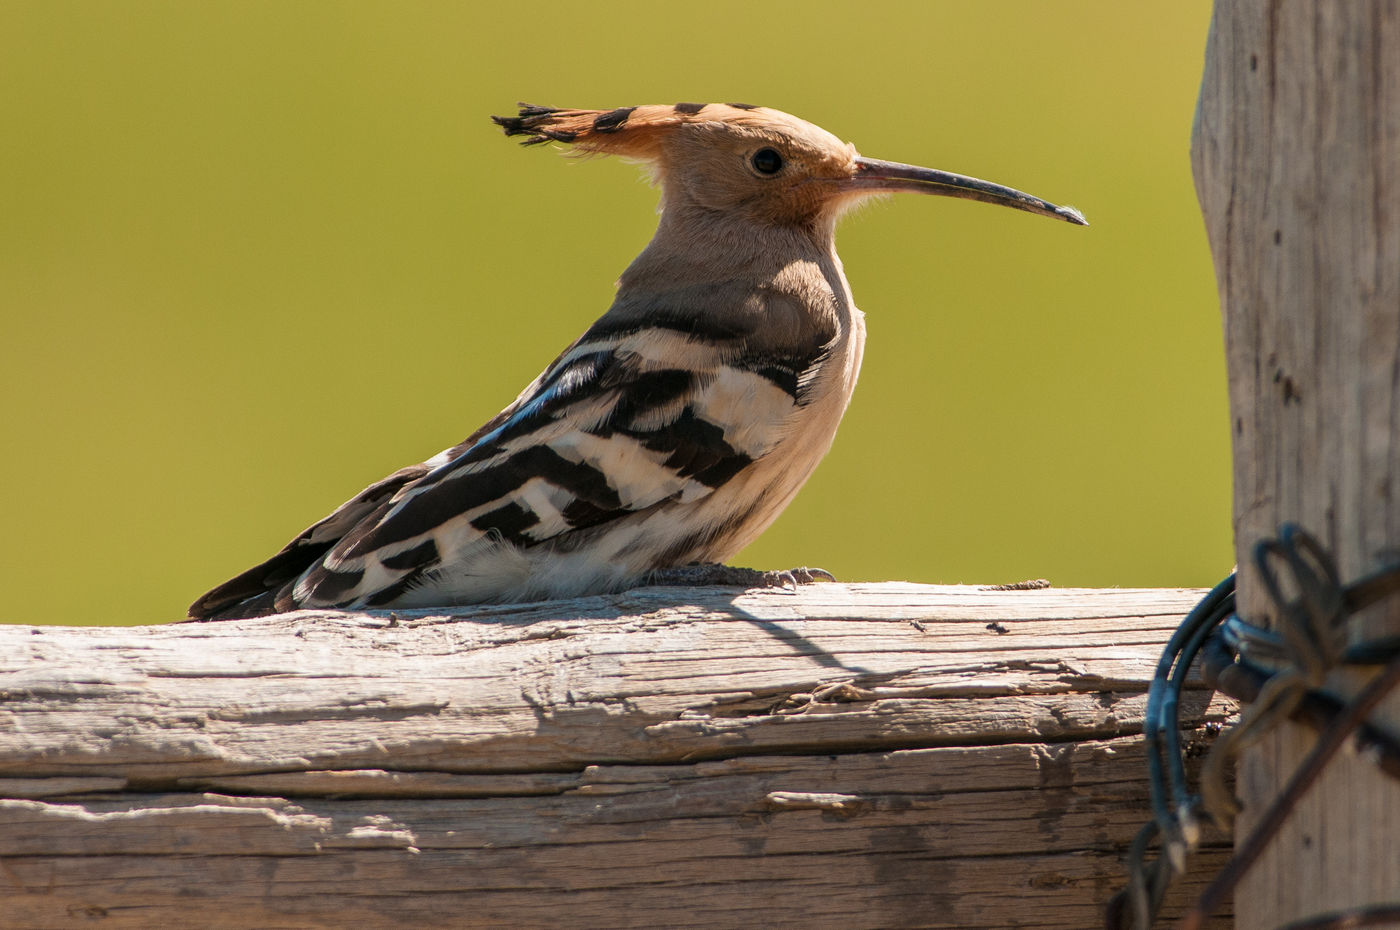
(678,426)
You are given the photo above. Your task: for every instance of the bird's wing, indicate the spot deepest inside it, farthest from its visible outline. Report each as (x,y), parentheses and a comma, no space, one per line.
(252,592)
(255,591)
(629,417)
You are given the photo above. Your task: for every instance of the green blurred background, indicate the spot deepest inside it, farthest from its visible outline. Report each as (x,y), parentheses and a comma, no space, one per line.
(255,255)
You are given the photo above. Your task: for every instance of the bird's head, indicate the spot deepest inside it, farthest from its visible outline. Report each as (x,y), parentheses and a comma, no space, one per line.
(771,168)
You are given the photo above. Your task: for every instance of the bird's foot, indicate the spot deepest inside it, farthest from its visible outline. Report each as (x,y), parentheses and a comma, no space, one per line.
(711,573)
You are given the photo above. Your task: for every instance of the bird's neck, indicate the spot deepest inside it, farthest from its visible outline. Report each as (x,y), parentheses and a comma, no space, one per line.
(696,247)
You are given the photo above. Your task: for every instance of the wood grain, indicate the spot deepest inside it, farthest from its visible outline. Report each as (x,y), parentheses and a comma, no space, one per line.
(888,755)
(1297,162)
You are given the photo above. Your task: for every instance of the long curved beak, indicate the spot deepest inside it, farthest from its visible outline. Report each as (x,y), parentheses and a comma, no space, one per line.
(876,176)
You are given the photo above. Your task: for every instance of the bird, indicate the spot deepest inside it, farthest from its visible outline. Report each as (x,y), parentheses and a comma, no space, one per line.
(680,424)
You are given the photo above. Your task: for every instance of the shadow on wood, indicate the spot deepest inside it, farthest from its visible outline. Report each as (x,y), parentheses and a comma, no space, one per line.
(850,756)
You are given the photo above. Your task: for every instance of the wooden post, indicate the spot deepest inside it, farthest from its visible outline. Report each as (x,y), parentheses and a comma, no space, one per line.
(1297,161)
(843,756)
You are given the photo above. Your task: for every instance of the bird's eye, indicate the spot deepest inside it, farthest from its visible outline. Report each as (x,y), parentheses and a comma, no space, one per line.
(767,161)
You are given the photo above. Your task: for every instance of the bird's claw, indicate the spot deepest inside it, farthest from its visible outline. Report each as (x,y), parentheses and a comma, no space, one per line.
(795,577)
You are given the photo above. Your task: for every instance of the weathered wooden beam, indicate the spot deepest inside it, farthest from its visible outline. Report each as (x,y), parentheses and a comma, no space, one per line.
(846,756)
(1297,162)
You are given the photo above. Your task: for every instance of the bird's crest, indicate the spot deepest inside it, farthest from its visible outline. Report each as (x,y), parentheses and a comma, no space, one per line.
(631,131)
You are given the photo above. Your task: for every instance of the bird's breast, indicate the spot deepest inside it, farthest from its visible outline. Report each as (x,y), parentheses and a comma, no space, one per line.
(753,499)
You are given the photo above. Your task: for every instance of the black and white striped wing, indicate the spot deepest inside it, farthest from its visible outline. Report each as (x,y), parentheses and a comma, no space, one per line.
(613,428)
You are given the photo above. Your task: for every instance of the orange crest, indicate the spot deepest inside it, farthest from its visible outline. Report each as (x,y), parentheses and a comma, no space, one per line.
(629,131)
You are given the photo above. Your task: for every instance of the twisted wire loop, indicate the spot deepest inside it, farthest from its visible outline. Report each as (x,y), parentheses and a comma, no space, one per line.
(1175,824)
(1279,673)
